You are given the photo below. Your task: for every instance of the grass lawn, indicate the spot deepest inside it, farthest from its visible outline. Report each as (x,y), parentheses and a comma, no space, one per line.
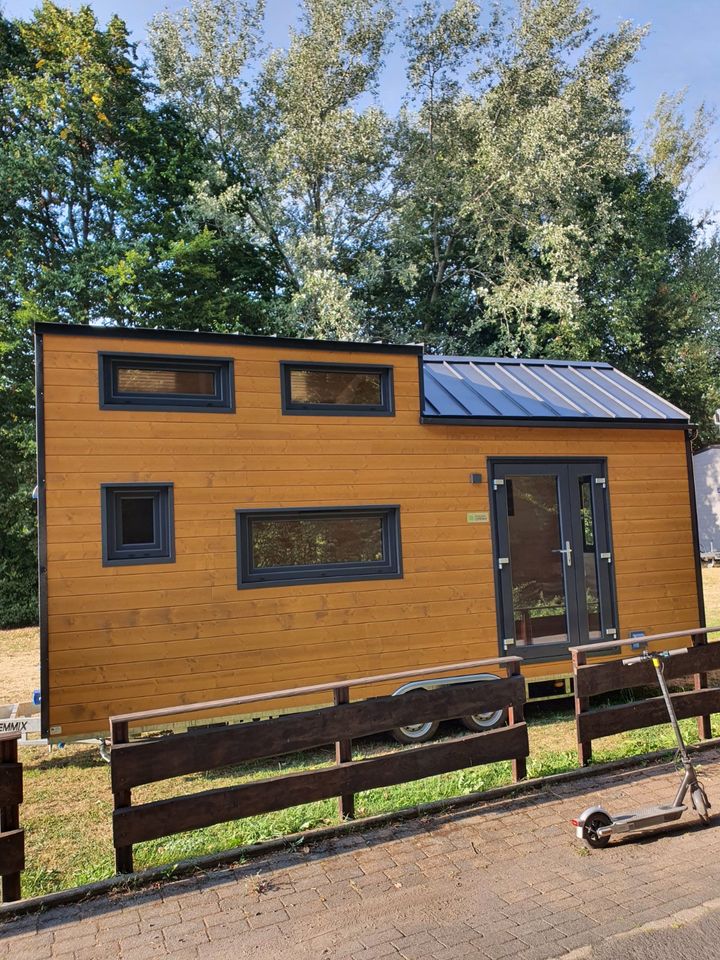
(67,808)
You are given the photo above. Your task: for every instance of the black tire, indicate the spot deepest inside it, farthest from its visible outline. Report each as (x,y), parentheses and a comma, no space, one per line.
(485,721)
(416,733)
(700,803)
(590,828)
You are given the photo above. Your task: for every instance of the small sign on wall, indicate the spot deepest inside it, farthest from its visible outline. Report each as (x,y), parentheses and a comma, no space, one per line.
(482,517)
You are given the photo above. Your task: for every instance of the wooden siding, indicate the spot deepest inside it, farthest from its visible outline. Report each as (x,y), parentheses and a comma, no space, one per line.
(135,638)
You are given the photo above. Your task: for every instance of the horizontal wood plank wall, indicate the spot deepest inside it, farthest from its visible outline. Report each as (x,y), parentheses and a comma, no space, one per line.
(135,638)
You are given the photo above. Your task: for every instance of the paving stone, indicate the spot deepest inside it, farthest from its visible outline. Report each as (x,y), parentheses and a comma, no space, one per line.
(457,952)
(378,952)
(379,936)
(237,929)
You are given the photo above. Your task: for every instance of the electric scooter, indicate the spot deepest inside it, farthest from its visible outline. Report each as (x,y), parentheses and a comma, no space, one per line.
(596,826)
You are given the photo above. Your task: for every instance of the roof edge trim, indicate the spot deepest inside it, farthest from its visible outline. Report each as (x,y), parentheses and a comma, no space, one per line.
(202,336)
(518,361)
(582,422)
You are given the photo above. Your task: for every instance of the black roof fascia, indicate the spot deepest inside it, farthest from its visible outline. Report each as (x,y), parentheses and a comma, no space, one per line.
(556,422)
(194,336)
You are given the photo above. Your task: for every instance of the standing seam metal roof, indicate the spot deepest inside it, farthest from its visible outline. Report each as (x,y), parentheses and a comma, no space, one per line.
(498,389)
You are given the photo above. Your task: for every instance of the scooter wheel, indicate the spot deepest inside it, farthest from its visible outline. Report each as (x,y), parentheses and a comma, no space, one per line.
(590,830)
(699,801)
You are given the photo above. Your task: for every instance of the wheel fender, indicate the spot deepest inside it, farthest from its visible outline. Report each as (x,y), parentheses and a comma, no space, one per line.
(584,816)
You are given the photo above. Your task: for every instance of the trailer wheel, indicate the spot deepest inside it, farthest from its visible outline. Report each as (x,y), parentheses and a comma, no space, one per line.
(485,721)
(416,732)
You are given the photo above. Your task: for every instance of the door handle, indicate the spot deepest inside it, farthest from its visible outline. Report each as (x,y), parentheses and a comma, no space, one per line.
(567,551)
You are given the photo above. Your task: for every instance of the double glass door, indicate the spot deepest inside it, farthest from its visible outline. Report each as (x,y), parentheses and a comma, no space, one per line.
(553,555)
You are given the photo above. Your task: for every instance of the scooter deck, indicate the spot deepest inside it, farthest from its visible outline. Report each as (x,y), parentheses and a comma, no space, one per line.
(647,817)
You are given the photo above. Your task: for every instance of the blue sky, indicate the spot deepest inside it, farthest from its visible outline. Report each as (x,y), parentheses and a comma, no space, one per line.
(682,50)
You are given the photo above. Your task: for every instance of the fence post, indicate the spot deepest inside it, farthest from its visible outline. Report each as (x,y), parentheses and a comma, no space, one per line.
(343,754)
(582,704)
(700,682)
(119,733)
(12,838)
(516,714)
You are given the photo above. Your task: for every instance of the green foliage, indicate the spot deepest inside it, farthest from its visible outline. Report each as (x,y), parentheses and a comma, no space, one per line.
(298,164)
(18,556)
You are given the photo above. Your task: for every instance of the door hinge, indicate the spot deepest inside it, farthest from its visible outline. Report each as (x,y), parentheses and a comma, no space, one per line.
(606,556)
(602,481)
(498,483)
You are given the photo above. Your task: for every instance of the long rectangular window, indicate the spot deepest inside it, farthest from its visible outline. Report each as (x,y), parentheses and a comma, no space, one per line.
(318,545)
(334,388)
(146,382)
(137,523)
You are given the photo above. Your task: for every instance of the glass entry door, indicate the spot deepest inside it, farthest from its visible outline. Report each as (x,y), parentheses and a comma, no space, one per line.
(553,556)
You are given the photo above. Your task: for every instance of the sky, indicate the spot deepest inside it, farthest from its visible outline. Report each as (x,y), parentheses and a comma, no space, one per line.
(682,51)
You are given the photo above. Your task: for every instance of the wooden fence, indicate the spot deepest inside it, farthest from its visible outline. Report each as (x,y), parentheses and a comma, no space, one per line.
(593,679)
(12,838)
(151,760)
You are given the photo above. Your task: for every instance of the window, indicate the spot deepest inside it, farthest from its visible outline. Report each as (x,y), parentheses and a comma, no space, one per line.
(142,382)
(137,523)
(341,389)
(313,545)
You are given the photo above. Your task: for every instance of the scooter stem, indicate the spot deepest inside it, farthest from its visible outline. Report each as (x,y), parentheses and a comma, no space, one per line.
(657,663)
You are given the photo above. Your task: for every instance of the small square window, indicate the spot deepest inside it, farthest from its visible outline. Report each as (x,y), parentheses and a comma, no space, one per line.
(318,545)
(356,390)
(137,524)
(147,382)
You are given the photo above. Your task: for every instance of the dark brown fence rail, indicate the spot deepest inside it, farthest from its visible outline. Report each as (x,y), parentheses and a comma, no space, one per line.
(12,838)
(593,679)
(151,760)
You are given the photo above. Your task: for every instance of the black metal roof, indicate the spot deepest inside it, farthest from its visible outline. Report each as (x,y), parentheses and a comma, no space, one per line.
(493,390)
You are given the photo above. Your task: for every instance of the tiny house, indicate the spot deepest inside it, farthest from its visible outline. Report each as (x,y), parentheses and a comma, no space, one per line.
(222,515)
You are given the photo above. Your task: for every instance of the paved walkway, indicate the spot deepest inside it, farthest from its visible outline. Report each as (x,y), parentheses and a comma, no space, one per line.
(505,879)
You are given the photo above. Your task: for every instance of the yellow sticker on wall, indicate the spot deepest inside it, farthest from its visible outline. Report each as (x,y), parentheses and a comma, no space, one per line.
(478,517)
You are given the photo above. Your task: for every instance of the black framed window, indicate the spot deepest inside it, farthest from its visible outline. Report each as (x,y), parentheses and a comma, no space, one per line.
(150,382)
(318,545)
(334,388)
(137,523)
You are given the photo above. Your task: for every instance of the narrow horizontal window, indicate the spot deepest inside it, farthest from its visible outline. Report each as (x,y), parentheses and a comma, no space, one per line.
(137,523)
(147,382)
(313,545)
(334,388)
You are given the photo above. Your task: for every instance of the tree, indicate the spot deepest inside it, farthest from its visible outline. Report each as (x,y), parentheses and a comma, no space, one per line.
(98,180)
(502,167)
(297,161)
(652,298)
(426,289)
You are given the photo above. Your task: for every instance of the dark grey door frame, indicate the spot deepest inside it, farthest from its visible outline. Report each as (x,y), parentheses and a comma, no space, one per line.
(568,472)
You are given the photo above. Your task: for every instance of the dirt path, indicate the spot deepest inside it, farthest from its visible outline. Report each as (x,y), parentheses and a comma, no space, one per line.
(506,879)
